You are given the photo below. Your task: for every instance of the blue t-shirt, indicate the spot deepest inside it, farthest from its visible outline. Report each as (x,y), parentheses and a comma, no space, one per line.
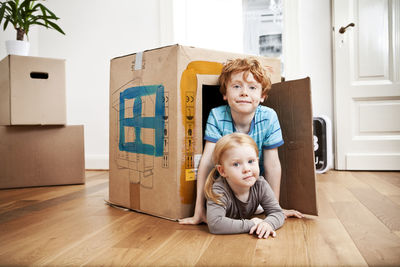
(265,128)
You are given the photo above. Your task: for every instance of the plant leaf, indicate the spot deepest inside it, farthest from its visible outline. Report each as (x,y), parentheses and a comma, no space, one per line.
(56,27)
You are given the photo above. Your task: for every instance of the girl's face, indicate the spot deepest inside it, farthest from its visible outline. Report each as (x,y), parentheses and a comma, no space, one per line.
(239,167)
(243,95)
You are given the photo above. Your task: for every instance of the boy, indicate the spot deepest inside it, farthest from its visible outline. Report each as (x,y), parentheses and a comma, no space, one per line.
(244,85)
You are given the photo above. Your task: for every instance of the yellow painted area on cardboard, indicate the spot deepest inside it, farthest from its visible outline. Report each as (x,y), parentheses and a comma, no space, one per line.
(189,84)
(190,175)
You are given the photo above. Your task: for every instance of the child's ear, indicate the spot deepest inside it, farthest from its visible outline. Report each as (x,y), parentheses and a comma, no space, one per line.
(263,98)
(224,97)
(220,169)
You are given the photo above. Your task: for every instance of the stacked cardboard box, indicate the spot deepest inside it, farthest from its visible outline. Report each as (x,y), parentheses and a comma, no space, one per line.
(36,147)
(159,102)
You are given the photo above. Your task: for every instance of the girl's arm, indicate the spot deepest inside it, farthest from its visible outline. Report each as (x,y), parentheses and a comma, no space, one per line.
(218,223)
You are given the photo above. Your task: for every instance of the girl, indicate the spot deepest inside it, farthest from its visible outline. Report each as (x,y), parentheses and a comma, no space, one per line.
(234,190)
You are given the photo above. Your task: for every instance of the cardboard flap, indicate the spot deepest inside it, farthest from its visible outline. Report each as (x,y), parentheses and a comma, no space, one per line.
(292,102)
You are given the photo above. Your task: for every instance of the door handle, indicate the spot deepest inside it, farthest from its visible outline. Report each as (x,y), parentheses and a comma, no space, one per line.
(343,29)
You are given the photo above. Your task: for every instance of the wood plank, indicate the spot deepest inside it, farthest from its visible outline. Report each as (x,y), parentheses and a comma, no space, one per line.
(46,193)
(345,178)
(328,243)
(389,177)
(114,257)
(324,208)
(182,248)
(11,198)
(326,240)
(77,207)
(40,219)
(377,181)
(10,195)
(287,248)
(383,208)
(337,192)
(92,174)
(92,246)
(392,177)
(16,204)
(155,238)
(397,233)
(395,199)
(51,240)
(12,215)
(229,250)
(373,239)
(154,230)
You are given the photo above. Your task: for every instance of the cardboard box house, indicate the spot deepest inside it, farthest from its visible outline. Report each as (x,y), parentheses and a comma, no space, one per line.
(41,155)
(159,103)
(32,91)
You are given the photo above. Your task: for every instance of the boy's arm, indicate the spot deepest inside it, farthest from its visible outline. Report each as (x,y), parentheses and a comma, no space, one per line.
(205,167)
(272,169)
(274,213)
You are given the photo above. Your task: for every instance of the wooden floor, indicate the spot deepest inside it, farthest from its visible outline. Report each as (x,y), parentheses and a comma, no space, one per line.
(359,224)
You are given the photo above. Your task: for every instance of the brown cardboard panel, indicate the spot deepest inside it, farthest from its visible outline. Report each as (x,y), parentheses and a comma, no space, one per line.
(292,102)
(4,92)
(41,155)
(32,90)
(156,135)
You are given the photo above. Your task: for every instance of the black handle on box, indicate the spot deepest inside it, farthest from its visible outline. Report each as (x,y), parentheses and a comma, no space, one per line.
(39,75)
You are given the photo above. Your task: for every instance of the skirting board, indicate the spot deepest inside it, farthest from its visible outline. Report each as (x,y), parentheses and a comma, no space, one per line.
(371,162)
(96,162)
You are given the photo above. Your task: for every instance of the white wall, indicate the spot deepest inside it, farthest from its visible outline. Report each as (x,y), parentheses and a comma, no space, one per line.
(211,24)
(316,52)
(98,30)
(308,49)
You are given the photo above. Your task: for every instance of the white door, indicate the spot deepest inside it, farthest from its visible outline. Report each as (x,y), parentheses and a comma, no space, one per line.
(367,84)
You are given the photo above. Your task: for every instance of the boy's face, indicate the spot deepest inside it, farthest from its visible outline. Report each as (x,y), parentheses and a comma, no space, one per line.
(239,167)
(243,95)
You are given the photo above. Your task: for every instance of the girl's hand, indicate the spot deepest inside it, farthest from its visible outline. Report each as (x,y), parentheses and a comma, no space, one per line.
(262,229)
(256,220)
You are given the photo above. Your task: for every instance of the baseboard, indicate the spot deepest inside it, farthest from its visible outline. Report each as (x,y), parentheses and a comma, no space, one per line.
(96,162)
(373,162)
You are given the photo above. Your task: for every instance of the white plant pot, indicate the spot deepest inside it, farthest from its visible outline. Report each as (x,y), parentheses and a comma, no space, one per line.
(16,47)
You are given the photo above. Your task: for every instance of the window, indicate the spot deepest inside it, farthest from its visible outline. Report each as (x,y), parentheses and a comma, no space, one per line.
(263,26)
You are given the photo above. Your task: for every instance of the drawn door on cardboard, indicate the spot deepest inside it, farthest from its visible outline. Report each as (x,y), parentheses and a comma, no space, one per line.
(142,131)
(367,84)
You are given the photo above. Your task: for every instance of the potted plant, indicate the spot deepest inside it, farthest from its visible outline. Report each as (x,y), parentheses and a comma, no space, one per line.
(22,14)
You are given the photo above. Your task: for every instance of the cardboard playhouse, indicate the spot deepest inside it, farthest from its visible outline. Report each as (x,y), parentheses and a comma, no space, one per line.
(36,147)
(159,103)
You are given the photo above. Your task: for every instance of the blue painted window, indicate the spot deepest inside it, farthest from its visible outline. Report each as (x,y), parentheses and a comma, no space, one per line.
(138,122)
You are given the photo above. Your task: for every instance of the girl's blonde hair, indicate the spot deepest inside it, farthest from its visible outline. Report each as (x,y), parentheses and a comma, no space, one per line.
(226,142)
(247,65)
